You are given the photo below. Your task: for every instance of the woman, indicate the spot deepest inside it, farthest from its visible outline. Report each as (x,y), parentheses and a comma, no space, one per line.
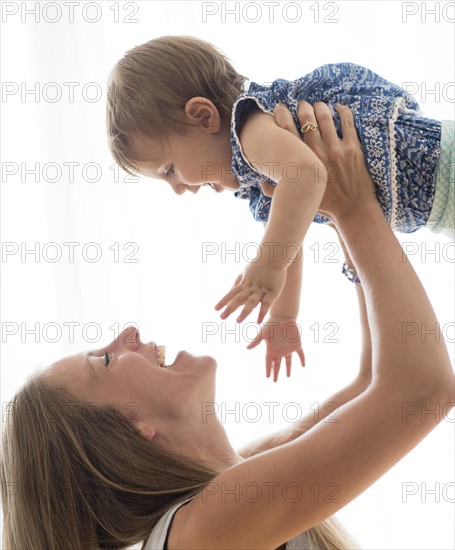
(142,455)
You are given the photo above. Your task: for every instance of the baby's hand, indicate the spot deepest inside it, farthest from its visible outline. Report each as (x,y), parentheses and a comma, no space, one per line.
(282,336)
(259,283)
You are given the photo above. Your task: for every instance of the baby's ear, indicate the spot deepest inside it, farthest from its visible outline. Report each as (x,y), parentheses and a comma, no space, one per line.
(202,110)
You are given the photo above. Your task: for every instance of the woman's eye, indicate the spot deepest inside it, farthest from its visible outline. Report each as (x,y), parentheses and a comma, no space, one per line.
(170,171)
(107,358)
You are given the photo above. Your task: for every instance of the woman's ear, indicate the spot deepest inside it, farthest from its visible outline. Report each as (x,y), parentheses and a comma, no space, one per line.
(146,430)
(203,111)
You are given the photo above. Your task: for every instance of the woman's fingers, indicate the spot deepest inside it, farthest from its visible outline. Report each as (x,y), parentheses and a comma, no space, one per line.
(347,124)
(283,119)
(310,130)
(320,115)
(326,127)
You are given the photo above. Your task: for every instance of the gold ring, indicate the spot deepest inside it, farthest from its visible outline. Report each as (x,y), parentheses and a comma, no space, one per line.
(308,126)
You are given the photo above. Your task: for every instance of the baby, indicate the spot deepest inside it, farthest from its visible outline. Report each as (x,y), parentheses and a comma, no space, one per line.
(177,110)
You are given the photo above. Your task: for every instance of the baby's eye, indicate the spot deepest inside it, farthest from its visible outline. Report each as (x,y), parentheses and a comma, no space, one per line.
(170,171)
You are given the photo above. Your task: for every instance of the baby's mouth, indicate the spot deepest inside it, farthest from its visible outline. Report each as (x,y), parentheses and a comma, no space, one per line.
(218,188)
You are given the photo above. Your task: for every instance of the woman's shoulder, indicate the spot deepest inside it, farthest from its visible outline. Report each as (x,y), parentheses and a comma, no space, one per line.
(160,533)
(248,504)
(182,515)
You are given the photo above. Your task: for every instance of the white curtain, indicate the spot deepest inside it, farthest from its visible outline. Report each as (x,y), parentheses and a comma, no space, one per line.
(85,251)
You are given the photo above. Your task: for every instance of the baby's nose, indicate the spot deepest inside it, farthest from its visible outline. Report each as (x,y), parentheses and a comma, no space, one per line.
(179,188)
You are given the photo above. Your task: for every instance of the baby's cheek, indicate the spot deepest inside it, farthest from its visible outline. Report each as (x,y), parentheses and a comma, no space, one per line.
(193,176)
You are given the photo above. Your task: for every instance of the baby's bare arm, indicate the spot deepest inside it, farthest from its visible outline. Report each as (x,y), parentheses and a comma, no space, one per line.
(282,157)
(288,303)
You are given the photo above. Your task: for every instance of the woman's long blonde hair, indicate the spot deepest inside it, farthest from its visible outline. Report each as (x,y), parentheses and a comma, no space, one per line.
(80,476)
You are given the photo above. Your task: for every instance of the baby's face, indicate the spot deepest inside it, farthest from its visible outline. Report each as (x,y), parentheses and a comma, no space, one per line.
(188,162)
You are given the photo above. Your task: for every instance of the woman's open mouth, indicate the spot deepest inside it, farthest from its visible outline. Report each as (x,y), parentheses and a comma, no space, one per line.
(161,354)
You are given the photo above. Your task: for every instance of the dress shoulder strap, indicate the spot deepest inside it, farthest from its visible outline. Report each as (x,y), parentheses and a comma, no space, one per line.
(158,537)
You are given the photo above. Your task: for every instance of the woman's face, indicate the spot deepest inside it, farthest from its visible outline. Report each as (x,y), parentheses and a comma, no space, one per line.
(150,396)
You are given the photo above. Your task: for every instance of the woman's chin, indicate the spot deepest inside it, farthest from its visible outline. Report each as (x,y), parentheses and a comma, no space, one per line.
(186,361)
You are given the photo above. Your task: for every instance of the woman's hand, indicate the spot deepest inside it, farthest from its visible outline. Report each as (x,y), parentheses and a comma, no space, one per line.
(349,184)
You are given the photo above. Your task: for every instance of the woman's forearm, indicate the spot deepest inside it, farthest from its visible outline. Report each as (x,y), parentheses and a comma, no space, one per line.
(326,411)
(366,350)
(395,302)
(365,354)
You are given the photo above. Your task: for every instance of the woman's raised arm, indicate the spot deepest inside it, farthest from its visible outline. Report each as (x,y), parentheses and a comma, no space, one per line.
(330,405)
(301,483)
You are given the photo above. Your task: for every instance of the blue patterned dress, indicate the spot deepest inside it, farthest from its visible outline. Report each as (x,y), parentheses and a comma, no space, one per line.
(401,147)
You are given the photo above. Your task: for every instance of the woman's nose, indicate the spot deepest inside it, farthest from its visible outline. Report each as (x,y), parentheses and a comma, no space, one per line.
(128,338)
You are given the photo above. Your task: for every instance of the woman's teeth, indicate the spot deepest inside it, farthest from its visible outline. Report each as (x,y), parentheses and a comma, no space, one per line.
(161,354)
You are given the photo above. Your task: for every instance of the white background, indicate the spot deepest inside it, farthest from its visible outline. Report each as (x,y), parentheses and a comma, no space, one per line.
(170,292)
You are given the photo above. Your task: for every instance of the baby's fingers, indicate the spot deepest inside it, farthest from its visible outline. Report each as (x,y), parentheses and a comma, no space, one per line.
(227,298)
(266,303)
(276,369)
(239,278)
(252,301)
(256,341)
(288,365)
(268,365)
(242,297)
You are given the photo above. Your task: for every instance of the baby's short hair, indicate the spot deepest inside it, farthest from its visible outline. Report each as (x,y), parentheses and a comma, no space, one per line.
(149,87)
